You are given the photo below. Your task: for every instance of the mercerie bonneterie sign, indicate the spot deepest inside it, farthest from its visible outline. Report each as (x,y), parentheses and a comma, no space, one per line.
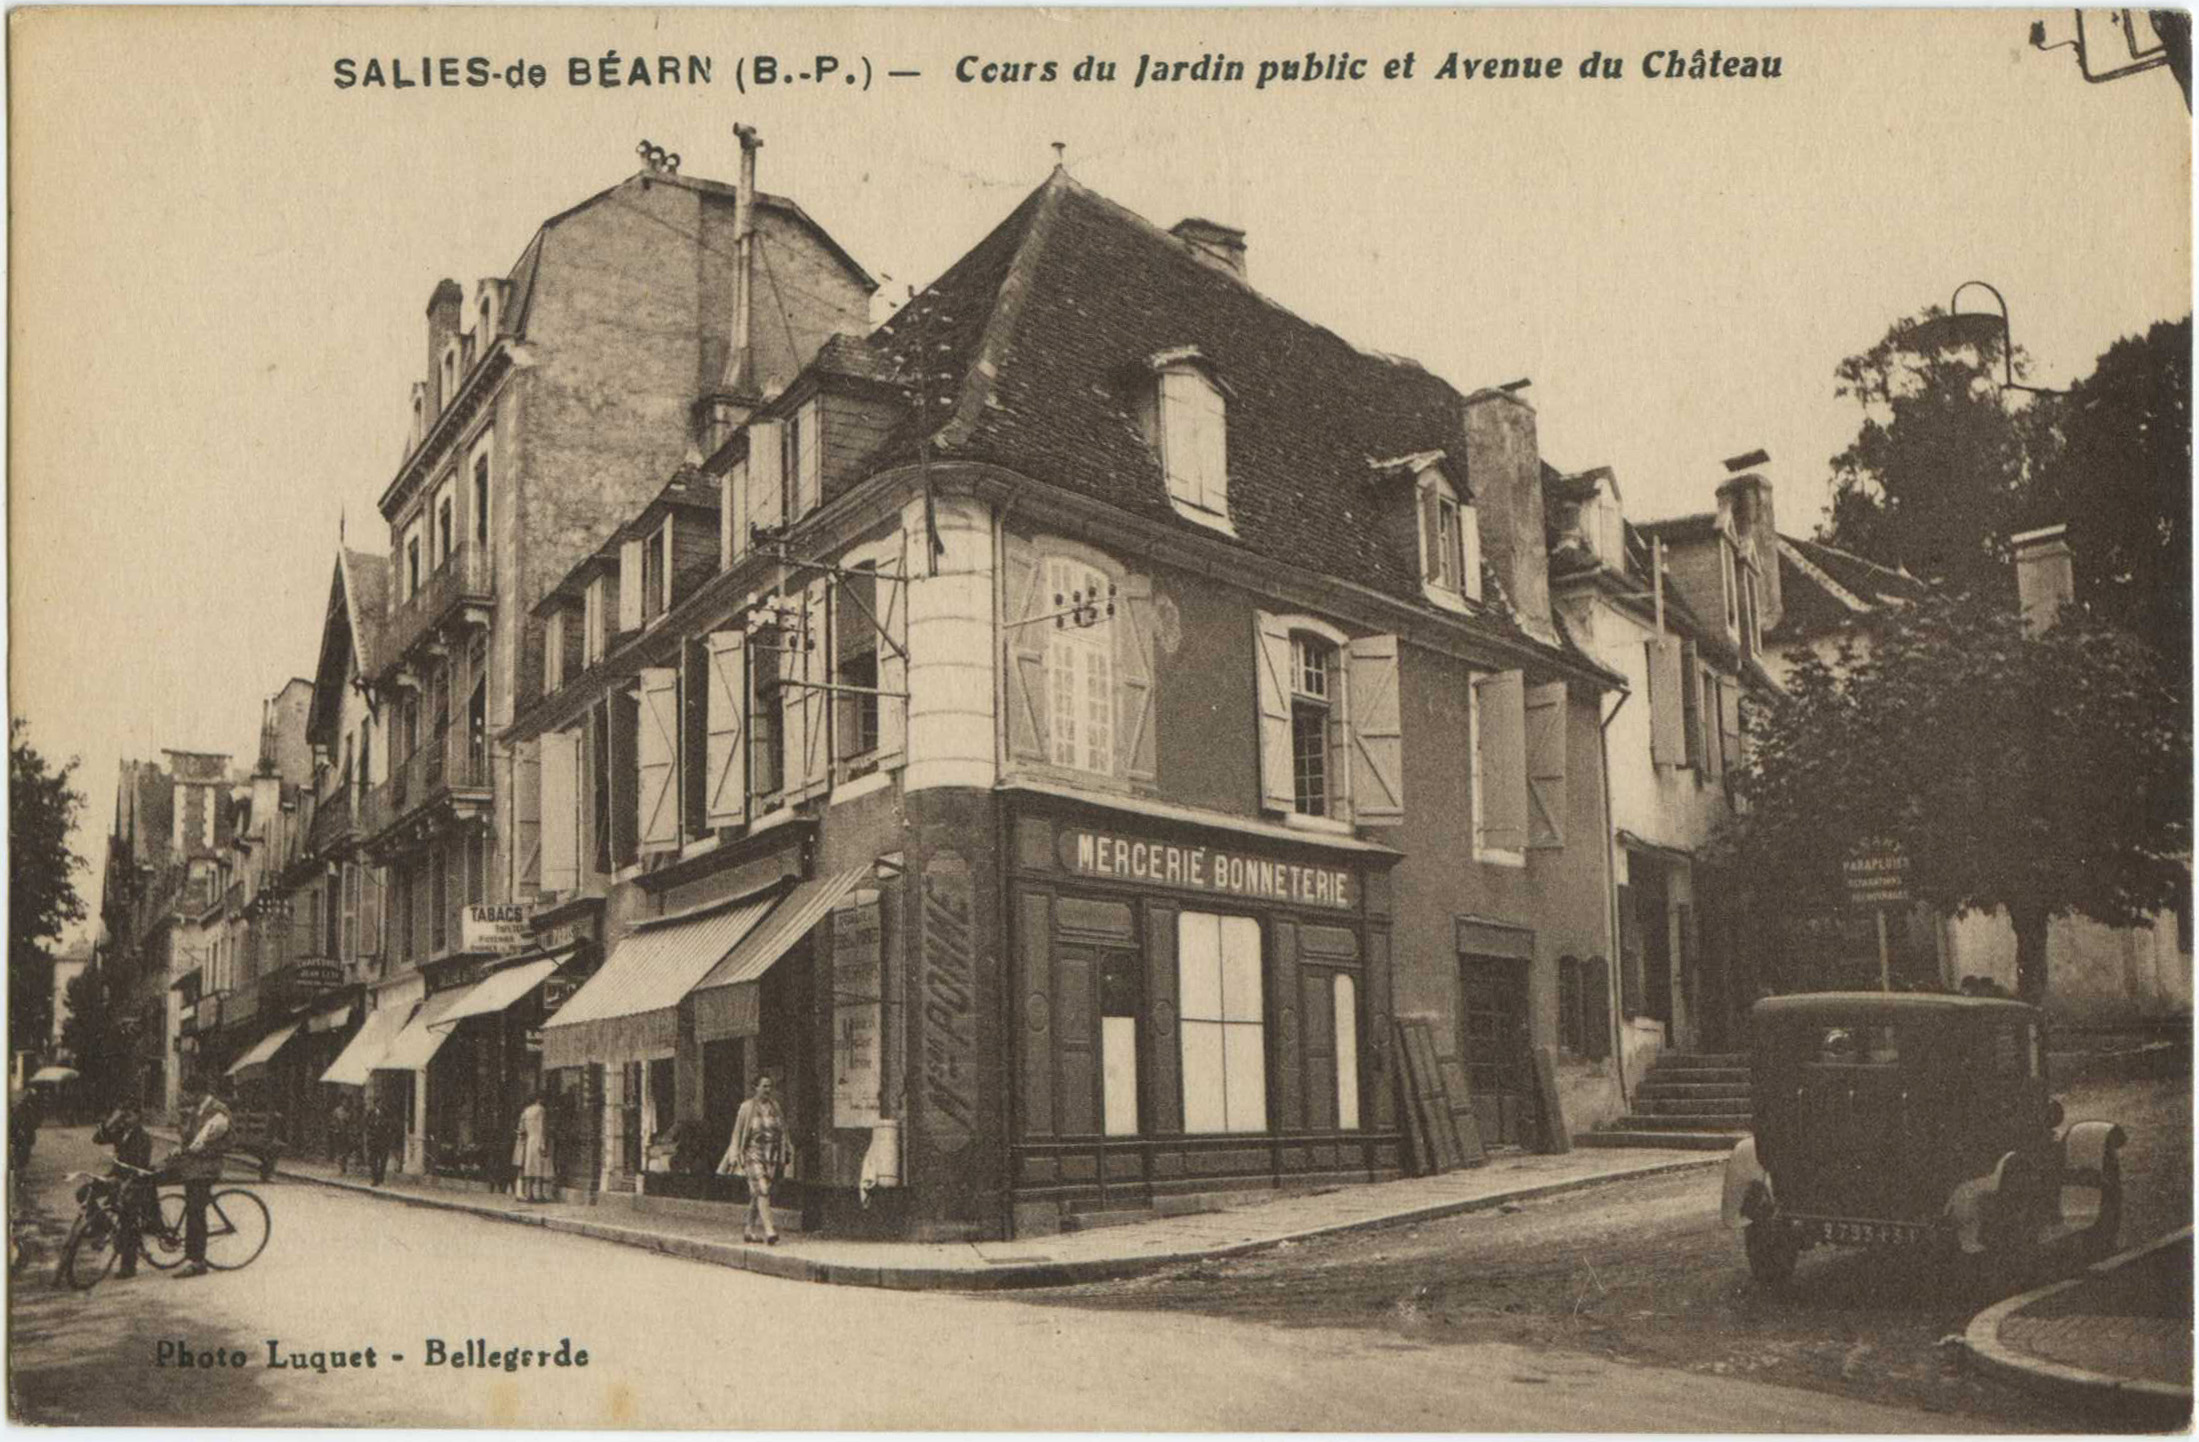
(1211,869)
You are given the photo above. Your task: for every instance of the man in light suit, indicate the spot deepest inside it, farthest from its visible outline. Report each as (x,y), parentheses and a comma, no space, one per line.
(197,1164)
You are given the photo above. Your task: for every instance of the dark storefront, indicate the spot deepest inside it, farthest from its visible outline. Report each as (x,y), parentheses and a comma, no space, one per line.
(1196,1010)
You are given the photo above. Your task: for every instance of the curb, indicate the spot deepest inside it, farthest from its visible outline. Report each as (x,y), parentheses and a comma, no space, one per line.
(985,1277)
(2158,1401)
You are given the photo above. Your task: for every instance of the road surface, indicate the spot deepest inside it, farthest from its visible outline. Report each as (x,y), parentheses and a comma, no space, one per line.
(675,1344)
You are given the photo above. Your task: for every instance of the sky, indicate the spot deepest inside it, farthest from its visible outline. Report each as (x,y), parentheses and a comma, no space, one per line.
(220,260)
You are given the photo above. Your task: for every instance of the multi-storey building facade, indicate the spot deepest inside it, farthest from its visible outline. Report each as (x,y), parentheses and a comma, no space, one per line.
(635,329)
(1110,702)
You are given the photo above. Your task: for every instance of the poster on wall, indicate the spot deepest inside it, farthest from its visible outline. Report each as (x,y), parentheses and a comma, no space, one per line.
(858,1010)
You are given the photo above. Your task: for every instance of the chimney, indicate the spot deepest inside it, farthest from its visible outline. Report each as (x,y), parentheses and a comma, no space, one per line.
(1745,498)
(1504,468)
(445,311)
(739,371)
(2046,580)
(1220,246)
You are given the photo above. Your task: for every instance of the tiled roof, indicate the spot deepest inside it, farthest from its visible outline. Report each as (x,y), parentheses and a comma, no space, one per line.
(367,576)
(1029,353)
(1809,607)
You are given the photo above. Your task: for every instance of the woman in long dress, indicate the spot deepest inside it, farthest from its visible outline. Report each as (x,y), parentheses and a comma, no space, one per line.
(532,1153)
(758,1152)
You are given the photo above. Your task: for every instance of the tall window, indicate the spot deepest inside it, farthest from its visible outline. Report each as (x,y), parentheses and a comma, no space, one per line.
(1194,440)
(412,564)
(446,526)
(481,497)
(655,562)
(1218,976)
(1314,681)
(1732,588)
(1450,544)
(764,758)
(855,639)
(1080,671)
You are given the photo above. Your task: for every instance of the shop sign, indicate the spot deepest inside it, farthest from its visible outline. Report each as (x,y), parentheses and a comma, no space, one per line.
(556,992)
(1877,874)
(312,975)
(564,933)
(858,1013)
(948,1061)
(499,929)
(1214,870)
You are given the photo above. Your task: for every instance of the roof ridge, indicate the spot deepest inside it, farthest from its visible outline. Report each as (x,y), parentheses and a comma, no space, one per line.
(1896,572)
(1006,312)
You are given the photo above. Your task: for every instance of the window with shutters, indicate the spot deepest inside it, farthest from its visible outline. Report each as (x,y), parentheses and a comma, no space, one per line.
(656,573)
(1188,425)
(656,762)
(411,574)
(1450,541)
(802,460)
(599,788)
(1080,671)
(592,621)
(1314,680)
(446,524)
(553,653)
(764,751)
(695,738)
(1496,715)
(1691,704)
(624,756)
(1222,1024)
(1546,791)
(856,619)
(481,494)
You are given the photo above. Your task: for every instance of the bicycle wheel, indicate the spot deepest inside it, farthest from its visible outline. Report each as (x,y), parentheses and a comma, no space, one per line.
(89,1253)
(163,1247)
(237,1225)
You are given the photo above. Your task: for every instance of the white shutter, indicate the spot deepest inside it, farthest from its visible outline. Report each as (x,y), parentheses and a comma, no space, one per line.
(1667,718)
(1377,733)
(629,586)
(1271,639)
(1137,703)
(1729,723)
(816,772)
(1714,744)
(656,750)
(725,784)
(766,499)
(1546,712)
(1501,750)
(892,600)
(809,462)
(560,810)
(526,818)
(732,516)
(1469,536)
(664,601)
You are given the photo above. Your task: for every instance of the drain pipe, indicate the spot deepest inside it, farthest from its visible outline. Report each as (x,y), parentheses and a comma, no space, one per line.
(1614,993)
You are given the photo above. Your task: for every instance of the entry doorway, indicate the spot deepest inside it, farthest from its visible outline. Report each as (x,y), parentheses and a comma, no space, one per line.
(1500,1067)
(725,1083)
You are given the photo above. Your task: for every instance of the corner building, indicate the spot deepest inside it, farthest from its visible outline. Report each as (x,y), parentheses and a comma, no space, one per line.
(1113,700)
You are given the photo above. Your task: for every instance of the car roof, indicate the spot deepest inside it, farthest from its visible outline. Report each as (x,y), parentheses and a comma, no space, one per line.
(1835,1006)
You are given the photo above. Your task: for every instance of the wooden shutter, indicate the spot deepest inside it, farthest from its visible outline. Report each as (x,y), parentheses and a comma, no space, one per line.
(892,600)
(526,817)
(816,666)
(1377,733)
(766,493)
(560,809)
(809,463)
(1691,704)
(1271,640)
(1501,748)
(347,944)
(370,911)
(1631,960)
(732,530)
(1714,747)
(1596,1008)
(1667,719)
(725,773)
(1431,544)
(1025,600)
(1137,699)
(1729,723)
(656,761)
(1546,712)
(629,586)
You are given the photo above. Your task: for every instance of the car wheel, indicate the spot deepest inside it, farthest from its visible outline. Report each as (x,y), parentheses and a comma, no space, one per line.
(1773,1248)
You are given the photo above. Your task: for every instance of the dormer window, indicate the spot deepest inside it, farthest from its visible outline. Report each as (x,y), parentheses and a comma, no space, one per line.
(450,371)
(1450,541)
(1185,417)
(553,653)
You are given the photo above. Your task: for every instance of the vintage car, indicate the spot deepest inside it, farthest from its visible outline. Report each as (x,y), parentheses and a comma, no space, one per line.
(1913,1120)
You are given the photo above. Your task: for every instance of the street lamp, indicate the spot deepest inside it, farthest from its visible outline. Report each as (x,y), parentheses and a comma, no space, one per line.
(1980,328)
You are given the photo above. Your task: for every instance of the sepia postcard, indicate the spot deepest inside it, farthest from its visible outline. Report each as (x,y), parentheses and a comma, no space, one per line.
(1101,720)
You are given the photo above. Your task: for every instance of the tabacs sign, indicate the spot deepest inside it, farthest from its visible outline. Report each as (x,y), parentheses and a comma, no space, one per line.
(1877,874)
(500,930)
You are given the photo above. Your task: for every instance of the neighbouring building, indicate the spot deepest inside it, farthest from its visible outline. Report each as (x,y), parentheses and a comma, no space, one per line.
(636,329)
(1679,608)
(1055,736)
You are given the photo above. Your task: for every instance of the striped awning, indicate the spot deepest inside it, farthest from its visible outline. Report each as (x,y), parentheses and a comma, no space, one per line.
(726,1003)
(630,1008)
(499,989)
(263,1051)
(416,1046)
(357,1060)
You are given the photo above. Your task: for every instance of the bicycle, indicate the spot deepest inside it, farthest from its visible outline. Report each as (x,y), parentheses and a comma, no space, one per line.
(237,1228)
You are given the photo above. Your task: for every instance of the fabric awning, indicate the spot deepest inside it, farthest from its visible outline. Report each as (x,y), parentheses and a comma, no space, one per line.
(499,989)
(726,1003)
(356,1063)
(263,1051)
(416,1046)
(630,1008)
(332,1019)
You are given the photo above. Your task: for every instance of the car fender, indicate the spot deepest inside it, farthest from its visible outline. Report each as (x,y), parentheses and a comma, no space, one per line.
(1748,1192)
(2086,1146)
(1967,1203)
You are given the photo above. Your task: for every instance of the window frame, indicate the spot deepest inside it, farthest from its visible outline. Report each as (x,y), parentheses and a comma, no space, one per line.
(1086,650)
(1189,1025)
(1184,390)
(1326,709)
(1458,577)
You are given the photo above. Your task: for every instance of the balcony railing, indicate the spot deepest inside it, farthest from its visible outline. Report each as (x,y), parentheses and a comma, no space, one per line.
(466,575)
(448,765)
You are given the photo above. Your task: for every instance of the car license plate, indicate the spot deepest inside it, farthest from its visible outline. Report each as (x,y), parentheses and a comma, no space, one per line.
(1869,1233)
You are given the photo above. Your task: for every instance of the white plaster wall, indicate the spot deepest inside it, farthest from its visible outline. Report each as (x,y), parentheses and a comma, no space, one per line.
(2094,972)
(1670,806)
(950,647)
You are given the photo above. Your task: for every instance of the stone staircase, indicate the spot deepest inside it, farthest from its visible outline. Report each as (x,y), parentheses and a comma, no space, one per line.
(1696,1101)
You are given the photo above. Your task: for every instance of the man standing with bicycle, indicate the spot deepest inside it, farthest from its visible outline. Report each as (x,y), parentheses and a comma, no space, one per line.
(136,1202)
(197,1164)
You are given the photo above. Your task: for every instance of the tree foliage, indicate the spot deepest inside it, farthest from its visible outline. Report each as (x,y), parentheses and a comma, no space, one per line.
(42,895)
(2048,775)
(93,1037)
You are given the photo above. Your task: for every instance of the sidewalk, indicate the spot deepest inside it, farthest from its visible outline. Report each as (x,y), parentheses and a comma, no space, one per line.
(2117,1339)
(1098,1255)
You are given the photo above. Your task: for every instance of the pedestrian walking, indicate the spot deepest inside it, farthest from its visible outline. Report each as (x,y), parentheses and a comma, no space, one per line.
(531,1152)
(343,1136)
(197,1164)
(136,1195)
(759,1153)
(25,1110)
(374,1128)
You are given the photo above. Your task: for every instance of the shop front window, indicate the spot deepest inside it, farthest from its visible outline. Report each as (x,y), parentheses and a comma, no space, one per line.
(1347,1052)
(1223,1028)
(1119,1043)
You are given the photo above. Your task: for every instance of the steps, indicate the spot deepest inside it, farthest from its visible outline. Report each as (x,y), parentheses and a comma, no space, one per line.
(1690,1101)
